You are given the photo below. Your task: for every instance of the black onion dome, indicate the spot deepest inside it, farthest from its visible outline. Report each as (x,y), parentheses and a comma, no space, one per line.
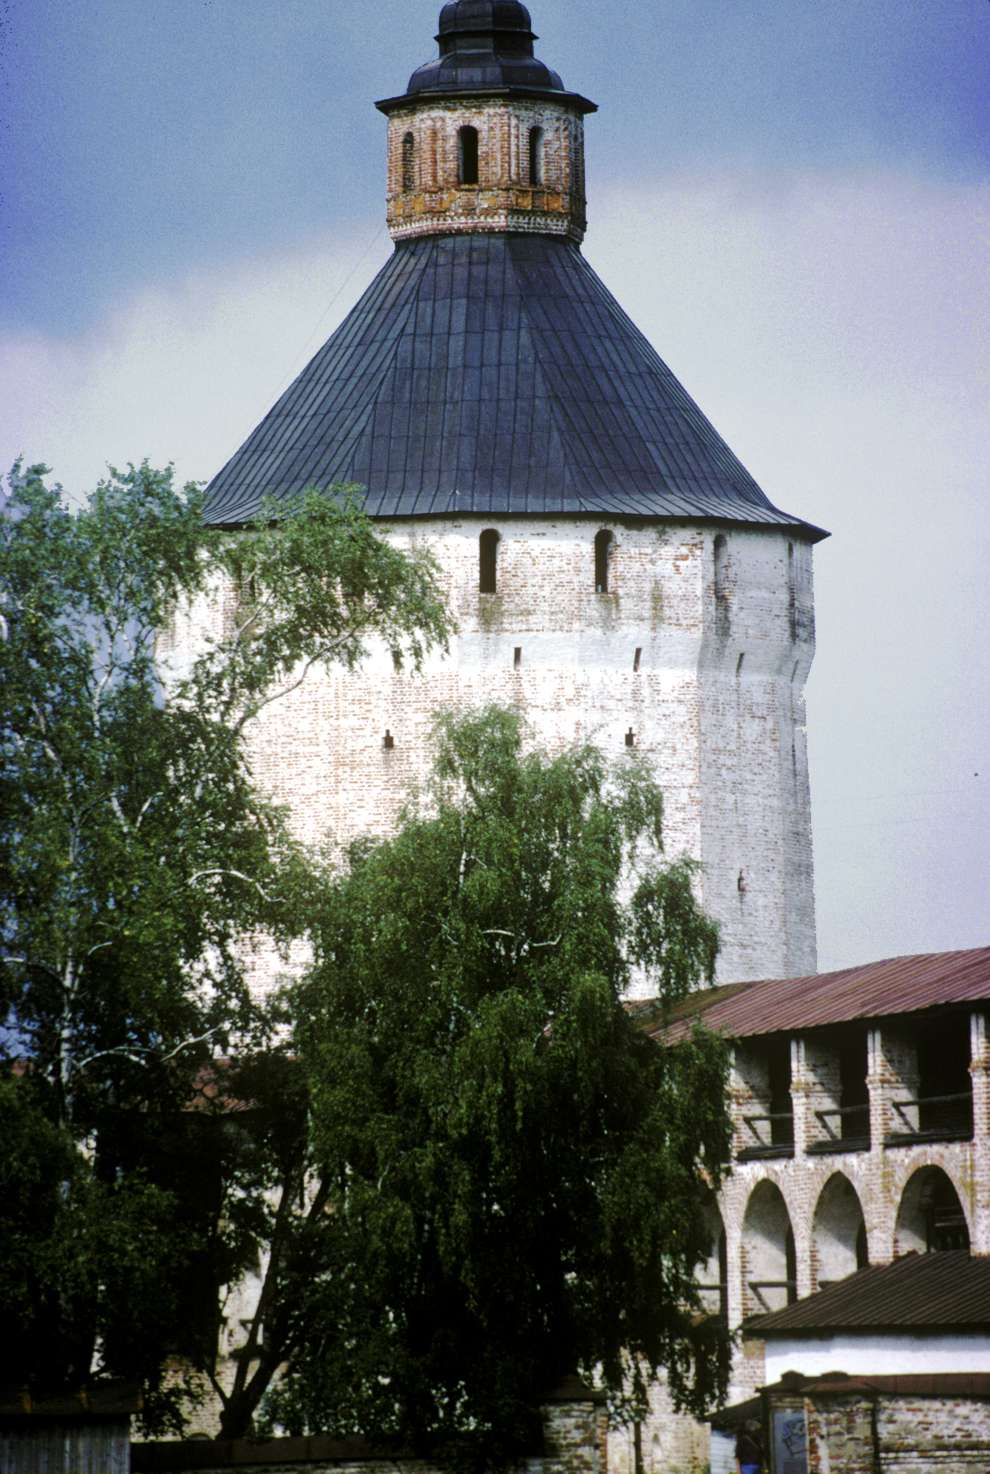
(493,374)
(485,15)
(484,44)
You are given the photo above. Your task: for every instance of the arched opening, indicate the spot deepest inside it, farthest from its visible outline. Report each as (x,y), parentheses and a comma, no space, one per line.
(488,561)
(467,155)
(408,162)
(838,1232)
(713,1271)
(722,608)
(603,550)
(930,1216)
(769,1260)
(536,156)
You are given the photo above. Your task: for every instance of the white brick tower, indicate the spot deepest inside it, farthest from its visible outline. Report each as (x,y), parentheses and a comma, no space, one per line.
(615,572)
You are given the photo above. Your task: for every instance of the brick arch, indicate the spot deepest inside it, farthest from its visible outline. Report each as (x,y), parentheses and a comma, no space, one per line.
(838,1232)
(930,1214)
(767,1250)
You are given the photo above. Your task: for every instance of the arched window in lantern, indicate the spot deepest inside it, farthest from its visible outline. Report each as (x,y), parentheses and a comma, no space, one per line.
(467,155)
(408,162)
(536,157)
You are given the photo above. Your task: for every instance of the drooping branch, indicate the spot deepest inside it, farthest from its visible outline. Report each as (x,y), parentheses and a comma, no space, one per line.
(236,874)
(141,1054)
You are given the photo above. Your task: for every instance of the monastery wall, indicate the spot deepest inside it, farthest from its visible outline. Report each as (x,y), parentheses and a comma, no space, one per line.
(574,1432)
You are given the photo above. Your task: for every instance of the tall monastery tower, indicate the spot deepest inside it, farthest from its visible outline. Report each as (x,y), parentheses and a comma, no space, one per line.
(616,574)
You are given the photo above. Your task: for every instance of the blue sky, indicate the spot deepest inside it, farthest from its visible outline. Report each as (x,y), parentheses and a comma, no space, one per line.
(146,135)
(792,199)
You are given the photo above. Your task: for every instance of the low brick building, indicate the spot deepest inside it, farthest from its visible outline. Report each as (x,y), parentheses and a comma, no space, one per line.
(837,1424)
(887,1369)
(860,1104)
(921,1314)
(86,1432)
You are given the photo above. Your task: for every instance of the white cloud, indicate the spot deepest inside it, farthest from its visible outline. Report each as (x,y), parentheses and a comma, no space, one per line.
(181,372)
(836,331)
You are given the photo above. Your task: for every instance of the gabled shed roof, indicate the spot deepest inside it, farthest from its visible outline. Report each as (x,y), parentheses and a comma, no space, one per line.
(947,1291)
(896,985)
(493,374)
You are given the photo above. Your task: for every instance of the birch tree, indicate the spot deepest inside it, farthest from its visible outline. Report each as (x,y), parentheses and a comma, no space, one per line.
(135,855)
(518,1173)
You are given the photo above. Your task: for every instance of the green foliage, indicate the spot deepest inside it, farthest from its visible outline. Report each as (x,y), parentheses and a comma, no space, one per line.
(517,1173)
(135,856)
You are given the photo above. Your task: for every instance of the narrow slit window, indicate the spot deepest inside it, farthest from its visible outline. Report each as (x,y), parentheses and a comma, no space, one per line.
(722,606)
(517,657)
(637,658)
(791,593)
(408,162)
(488,561)
(603,549)
(467,151)
(536,156)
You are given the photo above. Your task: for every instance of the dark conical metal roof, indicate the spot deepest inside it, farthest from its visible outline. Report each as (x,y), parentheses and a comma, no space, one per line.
(492,374)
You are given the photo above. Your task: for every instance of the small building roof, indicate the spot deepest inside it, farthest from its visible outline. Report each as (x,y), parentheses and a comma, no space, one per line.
(493,374)
(919,1293)
(896,985)
(975,1385)
(109,1399)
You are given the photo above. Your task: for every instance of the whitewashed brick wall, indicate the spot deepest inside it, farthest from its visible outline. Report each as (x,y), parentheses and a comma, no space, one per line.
(718,714)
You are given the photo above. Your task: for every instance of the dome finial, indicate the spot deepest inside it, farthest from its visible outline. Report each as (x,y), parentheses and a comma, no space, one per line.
(485,17)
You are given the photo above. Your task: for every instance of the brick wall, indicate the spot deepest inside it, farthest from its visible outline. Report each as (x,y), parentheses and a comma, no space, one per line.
(669,1441)
(574,1426)
(910,1435)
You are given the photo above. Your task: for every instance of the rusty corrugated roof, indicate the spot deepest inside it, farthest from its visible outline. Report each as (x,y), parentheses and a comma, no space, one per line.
(920,1292)
(788,1005)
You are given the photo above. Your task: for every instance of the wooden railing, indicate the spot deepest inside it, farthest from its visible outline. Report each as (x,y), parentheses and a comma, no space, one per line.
(933,1116)
(780,1136)
(758,1286)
